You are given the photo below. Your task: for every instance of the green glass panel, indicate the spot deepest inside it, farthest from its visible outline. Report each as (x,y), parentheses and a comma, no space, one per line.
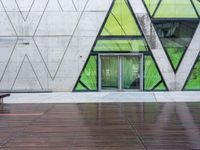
(161,86)
(151,74)
(80,87)
(120,21)
(175,54)
(151,5)
(175,37)
(175,9)
(197,5)
(121,45)
(193,82)
(131,72)
(89,75)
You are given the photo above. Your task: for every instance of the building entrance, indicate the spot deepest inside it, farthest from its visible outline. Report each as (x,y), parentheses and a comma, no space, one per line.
(120,72)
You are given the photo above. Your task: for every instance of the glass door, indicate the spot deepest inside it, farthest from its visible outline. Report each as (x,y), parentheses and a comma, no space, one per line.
(130,72)
(109,72)
(120,72)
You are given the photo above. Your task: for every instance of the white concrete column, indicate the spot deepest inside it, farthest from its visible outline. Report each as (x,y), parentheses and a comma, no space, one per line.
(154,43)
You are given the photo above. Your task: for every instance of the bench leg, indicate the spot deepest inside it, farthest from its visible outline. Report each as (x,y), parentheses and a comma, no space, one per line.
(1,101)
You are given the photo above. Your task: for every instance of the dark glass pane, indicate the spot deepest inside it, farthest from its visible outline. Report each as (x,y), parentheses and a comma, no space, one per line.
(151,74)
(175,37)
(175,9)
(109,72)
(89,75)
(193,82)
(120,21)
(131,72)
(121,45)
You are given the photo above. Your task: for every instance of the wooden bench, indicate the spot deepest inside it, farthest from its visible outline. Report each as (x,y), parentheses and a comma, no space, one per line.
(2,95)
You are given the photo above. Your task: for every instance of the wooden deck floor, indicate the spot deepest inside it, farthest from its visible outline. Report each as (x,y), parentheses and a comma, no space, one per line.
(111,126)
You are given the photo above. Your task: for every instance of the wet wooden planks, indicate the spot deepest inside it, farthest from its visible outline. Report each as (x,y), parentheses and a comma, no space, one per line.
(108,126)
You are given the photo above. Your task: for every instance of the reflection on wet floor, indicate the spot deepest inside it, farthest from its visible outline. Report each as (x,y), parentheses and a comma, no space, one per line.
(108,126)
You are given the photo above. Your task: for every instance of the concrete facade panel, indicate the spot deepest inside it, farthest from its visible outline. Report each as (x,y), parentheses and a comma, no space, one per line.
(45,44)
(58,23)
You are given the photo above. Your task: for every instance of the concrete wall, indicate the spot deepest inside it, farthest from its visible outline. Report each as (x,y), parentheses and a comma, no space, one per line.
(44,43)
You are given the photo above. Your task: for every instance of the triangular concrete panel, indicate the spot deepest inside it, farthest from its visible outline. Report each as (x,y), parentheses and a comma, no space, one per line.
(75,56)
(26,78)
(80,4)
(67,5)
(25,26)
(52,50)
(25,14)
(6,28)
(1,7)
(8,44)
(54,5)
(98,5)
(25,46)
(64,25)
(25,7)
